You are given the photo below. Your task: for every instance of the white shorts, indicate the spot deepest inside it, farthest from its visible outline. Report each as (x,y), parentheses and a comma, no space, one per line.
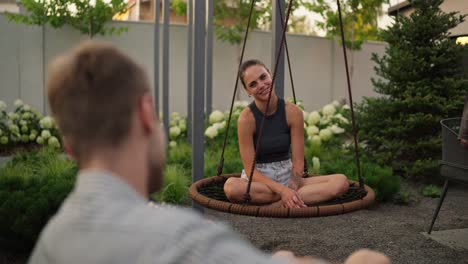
(279,171)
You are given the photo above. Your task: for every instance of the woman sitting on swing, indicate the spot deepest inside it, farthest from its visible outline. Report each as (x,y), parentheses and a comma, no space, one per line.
(277,177)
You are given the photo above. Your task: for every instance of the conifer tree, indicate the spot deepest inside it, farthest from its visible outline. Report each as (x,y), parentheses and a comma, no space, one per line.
(421,81)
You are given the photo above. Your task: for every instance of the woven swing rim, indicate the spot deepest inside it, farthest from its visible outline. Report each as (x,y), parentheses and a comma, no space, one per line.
(259,211)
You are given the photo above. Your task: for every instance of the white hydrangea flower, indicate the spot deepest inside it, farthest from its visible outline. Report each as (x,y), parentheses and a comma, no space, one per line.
(223,124)
(71,7)
(305,114)
(47,122)
(217,125)
(3,106)
(45,134)
(4,140)
(346,145)
(13,116)
(240,104)
(32,136)
(328,110)
(336,104)
(18,103)
(53,142)
(336,129)
(342,118)
(40,140)
(313,118)
(183,126)
(316,141)
(211,132)
(312,130)
(175,116)
(346,106)
(172,144)
(174,132)
(216,116)
(315,165)
(92,3)
(325,120)
(325,134)
(14,129)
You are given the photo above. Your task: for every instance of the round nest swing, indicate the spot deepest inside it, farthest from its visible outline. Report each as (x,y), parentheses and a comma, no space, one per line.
(209,192)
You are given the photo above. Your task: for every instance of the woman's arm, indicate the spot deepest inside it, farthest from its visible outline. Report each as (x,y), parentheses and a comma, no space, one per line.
(295,119)
(245,133)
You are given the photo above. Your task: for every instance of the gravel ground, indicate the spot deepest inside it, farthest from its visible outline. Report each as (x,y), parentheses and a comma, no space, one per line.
(392,229)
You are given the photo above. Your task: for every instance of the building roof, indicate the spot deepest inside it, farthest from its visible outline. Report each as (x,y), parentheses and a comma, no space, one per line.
(393,10)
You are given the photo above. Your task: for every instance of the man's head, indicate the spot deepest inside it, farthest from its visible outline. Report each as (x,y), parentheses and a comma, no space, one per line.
(101,100)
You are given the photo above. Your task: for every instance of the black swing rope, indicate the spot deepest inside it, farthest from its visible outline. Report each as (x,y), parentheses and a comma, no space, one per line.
(221,162)
(350,94)
(306,167)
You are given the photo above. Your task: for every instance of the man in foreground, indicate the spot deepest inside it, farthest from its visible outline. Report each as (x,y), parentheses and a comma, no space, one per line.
(102,103)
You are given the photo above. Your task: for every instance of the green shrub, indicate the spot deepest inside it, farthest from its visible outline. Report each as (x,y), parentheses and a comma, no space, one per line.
(32,187)
(404,197)
(431,191)
(175,188)
(379,178)
(181,155)
(421,82)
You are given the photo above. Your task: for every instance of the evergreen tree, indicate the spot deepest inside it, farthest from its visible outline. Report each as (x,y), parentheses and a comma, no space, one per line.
(421,82)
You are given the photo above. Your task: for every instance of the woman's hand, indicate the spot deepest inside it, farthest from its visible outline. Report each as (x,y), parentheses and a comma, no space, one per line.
(290,199)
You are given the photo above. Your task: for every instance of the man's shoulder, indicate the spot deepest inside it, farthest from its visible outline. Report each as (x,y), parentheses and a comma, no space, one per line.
(168,213)
(172,221)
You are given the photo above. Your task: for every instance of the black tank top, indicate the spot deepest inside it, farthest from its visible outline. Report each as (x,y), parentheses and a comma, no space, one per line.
(276,137)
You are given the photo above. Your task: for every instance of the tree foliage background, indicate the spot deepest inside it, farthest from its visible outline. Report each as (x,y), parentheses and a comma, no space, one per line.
(89,17)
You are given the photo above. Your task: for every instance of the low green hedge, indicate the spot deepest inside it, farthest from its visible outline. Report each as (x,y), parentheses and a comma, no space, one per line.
(32,187)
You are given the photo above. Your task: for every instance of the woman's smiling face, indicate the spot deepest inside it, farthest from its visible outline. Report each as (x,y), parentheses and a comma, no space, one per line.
(257,82)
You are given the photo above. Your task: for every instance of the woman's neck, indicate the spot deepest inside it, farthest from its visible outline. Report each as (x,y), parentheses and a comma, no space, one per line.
(261,105)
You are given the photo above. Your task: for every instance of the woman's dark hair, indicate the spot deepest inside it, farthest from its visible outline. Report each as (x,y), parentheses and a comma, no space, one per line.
(247,64)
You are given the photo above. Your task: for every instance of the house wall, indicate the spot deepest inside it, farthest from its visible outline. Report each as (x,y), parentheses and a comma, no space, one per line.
(317,63)
(457,6)
(460,6)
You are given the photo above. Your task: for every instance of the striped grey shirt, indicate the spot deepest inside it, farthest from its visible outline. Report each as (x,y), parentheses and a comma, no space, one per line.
(105,221)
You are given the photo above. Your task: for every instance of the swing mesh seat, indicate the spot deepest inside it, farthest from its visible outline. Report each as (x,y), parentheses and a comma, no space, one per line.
(209,193)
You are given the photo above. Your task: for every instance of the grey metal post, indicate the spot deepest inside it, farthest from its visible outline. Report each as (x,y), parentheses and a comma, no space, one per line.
(198,92)
(209,58)
(189,68)
(156,55)
(165,88)
(277,31)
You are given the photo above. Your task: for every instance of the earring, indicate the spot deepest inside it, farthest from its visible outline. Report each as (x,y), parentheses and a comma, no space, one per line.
(250,95)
